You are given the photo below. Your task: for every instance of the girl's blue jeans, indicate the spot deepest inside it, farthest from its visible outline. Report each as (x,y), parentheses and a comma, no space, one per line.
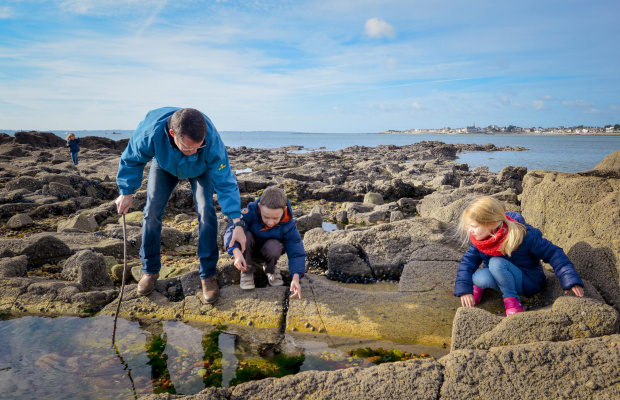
(502,275)
(159,188)
(74,157)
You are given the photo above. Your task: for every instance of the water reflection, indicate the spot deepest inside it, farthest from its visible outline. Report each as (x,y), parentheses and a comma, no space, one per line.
(69,357)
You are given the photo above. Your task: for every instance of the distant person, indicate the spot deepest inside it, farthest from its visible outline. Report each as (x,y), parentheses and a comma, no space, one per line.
(73,144)
(511,251)
(270,231)
(180,143)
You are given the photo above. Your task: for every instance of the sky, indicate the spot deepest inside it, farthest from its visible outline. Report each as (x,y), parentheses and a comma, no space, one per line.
(310,65)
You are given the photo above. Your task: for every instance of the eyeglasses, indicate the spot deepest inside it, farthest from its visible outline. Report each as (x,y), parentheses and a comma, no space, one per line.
(183,148)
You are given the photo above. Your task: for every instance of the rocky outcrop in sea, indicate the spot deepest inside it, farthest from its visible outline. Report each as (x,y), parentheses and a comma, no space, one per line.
(386,273)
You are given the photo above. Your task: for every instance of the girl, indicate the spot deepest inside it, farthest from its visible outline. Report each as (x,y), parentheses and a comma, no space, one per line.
(74,147)
(511,251)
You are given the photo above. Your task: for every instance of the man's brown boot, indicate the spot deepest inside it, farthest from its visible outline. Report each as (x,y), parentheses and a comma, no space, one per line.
(210,289)
(147,284)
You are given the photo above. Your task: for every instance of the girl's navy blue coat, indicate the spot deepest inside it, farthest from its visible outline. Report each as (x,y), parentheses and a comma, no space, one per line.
(74,145)
(527,257)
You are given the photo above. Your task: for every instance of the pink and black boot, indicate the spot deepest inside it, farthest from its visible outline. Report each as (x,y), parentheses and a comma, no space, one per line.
(477,294)
(512,305)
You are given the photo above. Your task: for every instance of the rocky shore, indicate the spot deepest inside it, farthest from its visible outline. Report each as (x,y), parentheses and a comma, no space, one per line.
(61,253)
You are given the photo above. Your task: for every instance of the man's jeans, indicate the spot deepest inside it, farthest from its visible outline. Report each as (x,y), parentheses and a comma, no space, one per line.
(502,275)
(159,188)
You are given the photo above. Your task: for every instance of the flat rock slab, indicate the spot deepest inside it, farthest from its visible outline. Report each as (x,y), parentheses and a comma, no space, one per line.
(416,379)
(327,307)
(261,307)
(576,369)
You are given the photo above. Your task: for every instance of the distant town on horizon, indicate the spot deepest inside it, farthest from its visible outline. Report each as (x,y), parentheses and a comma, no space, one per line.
(579,129)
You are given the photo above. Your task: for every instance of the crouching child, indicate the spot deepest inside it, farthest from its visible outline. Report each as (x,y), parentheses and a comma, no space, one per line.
(270,231)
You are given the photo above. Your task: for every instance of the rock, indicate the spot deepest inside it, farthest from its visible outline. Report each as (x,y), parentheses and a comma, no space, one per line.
(373,198)
(13,266)
(610,163)
(307,222)
(512,177)
(133,218)
(171,238)
(341,217)
(586,226)
(415,379)
(344,261)
(407,204)
(396,216)
(19,221)
(40,249)
(560,323)
(24,182)
(60,190)
(39,139)
(86,268)
(535,371)
(79,223)
(469,323)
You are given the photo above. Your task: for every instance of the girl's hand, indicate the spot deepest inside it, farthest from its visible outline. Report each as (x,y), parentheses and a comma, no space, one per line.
(578,290)
(467,300)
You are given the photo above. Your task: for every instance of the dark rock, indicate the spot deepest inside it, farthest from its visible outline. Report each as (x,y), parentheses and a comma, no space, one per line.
(88,269)
(14,266)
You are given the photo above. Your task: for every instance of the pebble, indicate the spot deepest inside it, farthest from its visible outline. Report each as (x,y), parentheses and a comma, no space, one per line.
(591,385)
(293,329)
(307,325)
(177,316)
(233,314)
(250,323)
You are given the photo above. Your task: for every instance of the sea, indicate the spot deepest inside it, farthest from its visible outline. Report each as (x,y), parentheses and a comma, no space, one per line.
(564,153)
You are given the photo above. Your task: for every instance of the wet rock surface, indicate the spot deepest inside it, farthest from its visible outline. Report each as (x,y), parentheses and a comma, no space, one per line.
(61,243)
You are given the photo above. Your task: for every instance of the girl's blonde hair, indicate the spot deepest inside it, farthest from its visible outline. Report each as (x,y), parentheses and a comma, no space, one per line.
(70,136)
(489,211)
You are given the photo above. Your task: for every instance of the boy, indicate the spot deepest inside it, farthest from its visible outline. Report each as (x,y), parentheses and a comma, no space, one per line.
(270,231)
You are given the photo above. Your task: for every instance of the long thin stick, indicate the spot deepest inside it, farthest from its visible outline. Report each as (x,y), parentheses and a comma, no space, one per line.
(120,298)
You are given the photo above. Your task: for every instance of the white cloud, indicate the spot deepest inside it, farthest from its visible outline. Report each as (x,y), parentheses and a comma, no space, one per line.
(539,104)
(416,105)
(377,28)
(578,104)
(6,12)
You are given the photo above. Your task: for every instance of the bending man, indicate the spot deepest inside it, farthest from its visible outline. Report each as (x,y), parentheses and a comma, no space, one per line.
(181,143)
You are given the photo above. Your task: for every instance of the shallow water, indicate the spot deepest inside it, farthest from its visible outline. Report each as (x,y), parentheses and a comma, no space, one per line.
(70,357)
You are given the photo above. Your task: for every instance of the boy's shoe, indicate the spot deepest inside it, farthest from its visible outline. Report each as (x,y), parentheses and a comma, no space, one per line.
(210,289)
(275,279)
(512,305)
(147,284)
(477,294)
(247,280)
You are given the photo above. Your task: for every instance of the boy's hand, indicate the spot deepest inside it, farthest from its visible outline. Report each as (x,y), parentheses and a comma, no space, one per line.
(578,290)
(295,287)
(467,300)
(239,260)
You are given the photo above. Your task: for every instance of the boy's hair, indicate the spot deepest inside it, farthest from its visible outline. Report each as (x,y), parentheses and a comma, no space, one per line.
(189,123)
(71,135)
(489,211)
(273,197)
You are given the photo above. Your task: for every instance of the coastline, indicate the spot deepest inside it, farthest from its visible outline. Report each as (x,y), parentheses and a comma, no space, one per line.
(429,132)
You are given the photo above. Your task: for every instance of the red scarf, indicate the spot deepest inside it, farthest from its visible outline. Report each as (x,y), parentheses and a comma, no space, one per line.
(491,244)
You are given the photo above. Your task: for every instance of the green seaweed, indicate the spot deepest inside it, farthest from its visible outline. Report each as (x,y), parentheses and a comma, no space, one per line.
(380,356)
(280,365)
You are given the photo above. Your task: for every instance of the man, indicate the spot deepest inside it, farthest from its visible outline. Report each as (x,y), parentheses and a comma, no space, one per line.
(181,143)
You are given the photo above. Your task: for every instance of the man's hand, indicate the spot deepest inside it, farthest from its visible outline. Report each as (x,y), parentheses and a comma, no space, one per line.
(467,300)
(238,236)
(578,290)
(123,203)
(239,260)
(295,287)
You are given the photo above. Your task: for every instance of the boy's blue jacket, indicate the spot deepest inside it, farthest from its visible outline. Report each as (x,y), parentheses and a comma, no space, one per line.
(527,257)
(285,231)
(150,139)
(74,145)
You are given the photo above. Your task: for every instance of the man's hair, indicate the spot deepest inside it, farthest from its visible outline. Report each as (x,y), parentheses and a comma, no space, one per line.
(273,197)
(189,123)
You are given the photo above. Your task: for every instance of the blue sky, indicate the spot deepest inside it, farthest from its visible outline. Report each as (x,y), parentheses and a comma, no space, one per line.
(316,65)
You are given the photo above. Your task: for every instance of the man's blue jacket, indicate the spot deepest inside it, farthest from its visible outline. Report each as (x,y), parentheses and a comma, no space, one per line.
(527,257)
(285,231)
(150,139)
